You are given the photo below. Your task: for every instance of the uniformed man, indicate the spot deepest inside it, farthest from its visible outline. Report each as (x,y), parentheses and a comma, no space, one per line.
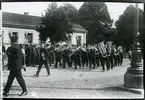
(28,55)
(76,57)
(43,60)
(33,55)
(97,57)
(38,55)
(118,57)
(120,49)
(65,56)
(109,58)
(71,57)
(52,58)
(103,58)
(58,56)
(14,53)
(91,57)
(84,56)
(115,56)
(112,58)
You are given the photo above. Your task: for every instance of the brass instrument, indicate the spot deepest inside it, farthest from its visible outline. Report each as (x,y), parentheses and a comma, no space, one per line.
(115,51)
(74,52)
(120,49)
(109,44)
(102,49)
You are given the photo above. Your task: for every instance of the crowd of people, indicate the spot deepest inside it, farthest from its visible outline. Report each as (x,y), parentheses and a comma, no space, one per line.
(74,56)
(83,56)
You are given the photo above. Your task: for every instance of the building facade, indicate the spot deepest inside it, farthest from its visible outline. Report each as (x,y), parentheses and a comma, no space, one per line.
(24,26)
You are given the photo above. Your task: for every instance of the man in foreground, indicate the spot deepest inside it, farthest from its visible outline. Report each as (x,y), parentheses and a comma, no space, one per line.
(15,65)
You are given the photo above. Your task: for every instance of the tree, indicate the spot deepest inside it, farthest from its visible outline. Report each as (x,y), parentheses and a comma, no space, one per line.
(54,25)
(125,26)
(71,11)
(95,18)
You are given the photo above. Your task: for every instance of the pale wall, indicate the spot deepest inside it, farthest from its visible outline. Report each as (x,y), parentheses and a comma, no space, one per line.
(21,34)
(73,38)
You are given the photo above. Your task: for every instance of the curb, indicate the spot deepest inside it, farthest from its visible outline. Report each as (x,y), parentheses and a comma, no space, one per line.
(133,90)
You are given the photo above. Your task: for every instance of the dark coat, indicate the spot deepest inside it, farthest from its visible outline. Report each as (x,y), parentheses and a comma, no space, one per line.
(43,50)
(14,53)
(3,48)
(58,54)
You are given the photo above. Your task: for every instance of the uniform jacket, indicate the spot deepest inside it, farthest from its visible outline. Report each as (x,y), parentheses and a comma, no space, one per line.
(14,53)
(43,51)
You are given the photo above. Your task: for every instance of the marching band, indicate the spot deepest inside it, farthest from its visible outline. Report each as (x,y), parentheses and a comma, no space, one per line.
(91,56)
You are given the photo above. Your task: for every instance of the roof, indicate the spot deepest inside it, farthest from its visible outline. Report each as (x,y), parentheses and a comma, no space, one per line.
(78,28)
(15,20)
(20,20)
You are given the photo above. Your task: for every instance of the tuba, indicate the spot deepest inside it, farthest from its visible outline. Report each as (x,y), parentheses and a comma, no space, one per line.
(102,49)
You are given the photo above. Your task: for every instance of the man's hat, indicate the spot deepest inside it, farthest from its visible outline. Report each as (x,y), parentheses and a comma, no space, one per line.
(14,39)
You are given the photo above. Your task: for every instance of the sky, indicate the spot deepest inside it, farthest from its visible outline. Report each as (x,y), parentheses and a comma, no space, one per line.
(36,8)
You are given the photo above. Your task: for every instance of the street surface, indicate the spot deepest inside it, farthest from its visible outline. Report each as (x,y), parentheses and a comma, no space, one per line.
(70,83)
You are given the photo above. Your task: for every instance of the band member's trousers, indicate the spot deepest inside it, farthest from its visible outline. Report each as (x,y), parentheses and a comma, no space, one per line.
(103,62)
(56,61)
(77,61)
(121,59)
(46,66)
(50,60)
(111,61)
(33,60)
(28,60)
(66,60)
(97,60)
(118,60)
(115,60)
(11,77)
(92,62)
(84,61)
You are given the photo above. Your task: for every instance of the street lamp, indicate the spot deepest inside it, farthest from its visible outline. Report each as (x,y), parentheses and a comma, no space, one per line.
(133,78)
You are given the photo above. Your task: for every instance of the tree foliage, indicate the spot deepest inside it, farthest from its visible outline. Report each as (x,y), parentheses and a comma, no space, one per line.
(95,18)
(71,11)
(125,26)
(54,24)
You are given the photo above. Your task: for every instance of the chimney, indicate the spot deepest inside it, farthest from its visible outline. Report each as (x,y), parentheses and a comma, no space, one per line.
(26,13)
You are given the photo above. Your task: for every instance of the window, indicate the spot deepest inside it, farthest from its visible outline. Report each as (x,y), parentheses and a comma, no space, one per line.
(78,40)
(13,34)
(29,37)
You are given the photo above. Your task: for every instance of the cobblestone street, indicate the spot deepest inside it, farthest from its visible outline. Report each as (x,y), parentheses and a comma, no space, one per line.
(70,83)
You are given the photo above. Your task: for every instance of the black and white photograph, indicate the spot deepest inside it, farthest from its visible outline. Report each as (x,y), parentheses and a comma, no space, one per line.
(72,50)
(0,53)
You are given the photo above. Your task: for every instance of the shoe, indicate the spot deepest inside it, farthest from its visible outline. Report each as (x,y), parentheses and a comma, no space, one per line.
(23,93)
(48,75)
(5,94)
